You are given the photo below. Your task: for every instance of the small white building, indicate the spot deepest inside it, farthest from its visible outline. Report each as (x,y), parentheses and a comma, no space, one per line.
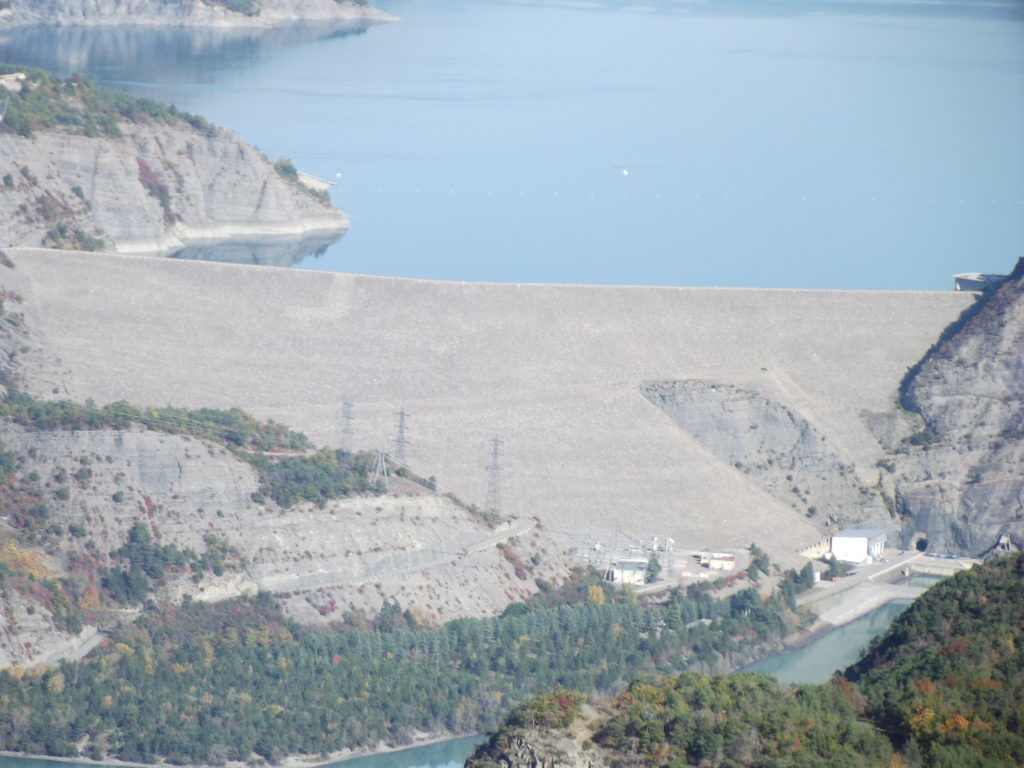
(717,561)
(858,545)
(627,572)
(13,82)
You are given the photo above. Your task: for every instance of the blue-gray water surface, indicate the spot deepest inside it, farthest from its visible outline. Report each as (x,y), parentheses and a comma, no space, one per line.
(817,661)
(787,143)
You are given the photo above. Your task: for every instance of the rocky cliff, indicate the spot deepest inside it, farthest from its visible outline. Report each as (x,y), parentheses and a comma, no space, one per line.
(70,497)
(198,13)
(84,168)
(958,478)
(410,546)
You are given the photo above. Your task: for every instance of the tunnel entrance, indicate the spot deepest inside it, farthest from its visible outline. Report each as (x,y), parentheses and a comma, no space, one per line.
(921,545)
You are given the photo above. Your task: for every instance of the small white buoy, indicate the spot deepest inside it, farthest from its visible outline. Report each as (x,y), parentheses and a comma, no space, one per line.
(625,172)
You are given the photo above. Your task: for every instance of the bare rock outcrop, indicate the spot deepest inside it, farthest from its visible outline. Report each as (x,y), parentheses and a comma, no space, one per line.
(959,482)
(159,185)
(199,13)
(539,746)
(773,445)
(412,547)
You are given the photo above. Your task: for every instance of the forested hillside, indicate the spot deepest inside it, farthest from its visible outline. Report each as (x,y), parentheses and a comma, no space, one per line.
(943,688)
(947,680)
(236,680)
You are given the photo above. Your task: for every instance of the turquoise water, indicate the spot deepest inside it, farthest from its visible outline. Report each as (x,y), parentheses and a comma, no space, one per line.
(445,754)
(800,144)
(817,661)
(924,580)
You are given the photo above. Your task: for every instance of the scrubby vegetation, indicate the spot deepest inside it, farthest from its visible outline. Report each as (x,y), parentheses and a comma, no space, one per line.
(141,561)
(287,479)
(319,477)
(77,105)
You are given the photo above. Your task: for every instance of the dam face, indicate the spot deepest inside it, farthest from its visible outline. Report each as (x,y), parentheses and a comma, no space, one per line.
(558,372)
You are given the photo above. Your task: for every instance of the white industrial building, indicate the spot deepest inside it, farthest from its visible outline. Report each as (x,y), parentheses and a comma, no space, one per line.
(858,545)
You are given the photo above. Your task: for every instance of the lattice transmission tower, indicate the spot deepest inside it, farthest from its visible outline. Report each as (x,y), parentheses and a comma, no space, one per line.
(380,471)
(493,502)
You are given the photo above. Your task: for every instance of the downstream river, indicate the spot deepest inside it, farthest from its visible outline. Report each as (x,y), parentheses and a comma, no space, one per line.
(789,143)
(817,661)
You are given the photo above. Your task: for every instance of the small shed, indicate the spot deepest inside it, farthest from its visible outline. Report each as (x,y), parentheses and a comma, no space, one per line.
(858,545)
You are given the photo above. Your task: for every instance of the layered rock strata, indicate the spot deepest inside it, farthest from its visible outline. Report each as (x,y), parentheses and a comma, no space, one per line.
(157,187)
(959,473)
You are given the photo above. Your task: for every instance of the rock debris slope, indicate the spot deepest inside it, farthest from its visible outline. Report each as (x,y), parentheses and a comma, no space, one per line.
(772,444)
(556,371)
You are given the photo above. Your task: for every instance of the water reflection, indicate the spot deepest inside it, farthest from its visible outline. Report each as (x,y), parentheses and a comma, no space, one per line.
(158,55)
(268,252)
(994,9)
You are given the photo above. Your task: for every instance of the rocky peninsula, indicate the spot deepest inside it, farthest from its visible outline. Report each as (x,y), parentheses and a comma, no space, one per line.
(91,169)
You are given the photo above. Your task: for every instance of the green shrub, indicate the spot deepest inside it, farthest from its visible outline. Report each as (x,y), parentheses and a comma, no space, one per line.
(286,168)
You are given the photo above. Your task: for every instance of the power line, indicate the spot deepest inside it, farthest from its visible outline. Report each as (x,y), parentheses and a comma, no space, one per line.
(493,502)
(401,443)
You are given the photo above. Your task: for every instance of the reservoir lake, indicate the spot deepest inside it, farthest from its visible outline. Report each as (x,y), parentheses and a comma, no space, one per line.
(786,143)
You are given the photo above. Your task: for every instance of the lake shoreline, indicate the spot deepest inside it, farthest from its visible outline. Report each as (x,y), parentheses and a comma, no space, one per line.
(289,761)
